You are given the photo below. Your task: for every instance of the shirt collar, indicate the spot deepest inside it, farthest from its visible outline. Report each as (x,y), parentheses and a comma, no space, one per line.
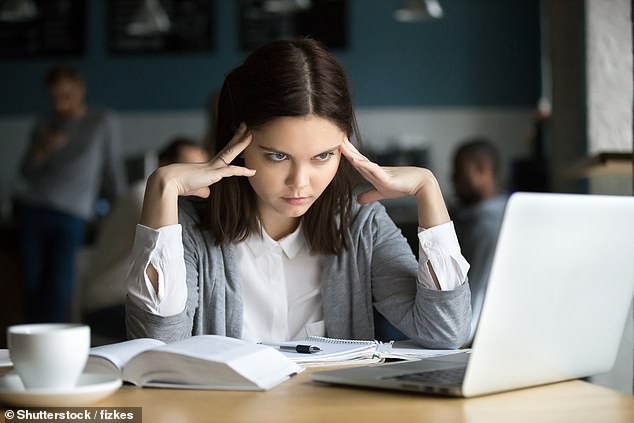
(291,244)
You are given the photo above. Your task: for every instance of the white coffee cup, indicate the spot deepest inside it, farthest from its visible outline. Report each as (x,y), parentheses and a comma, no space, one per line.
(49,355)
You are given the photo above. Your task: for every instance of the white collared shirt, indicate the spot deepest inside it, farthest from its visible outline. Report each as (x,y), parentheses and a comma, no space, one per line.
(280,279)
(281,290)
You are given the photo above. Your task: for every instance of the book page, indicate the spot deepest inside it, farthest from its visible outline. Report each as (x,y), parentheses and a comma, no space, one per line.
(210,362)
(120,353)
(211,347)
(265,367)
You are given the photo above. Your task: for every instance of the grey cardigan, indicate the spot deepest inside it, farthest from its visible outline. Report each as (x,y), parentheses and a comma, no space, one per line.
(378,270)
(71,179)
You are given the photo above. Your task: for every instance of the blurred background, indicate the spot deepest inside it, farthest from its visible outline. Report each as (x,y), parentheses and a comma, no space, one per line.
(548,82)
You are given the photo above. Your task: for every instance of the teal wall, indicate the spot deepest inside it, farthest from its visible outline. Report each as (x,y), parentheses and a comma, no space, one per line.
(482,53)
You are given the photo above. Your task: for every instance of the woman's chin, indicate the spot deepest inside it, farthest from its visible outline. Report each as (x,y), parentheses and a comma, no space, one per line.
(295,210)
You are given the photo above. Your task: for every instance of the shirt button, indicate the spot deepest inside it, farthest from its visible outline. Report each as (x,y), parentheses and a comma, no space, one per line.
(427,244)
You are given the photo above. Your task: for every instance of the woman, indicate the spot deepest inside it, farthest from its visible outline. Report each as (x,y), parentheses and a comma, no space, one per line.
(278,249)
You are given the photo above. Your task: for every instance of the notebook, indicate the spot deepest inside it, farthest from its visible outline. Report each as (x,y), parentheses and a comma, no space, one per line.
(559,291)
(336,351)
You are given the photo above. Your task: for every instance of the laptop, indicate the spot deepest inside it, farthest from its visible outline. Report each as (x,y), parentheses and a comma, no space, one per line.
(558,295)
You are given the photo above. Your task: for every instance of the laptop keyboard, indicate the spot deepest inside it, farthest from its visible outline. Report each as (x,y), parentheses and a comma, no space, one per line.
(452,376)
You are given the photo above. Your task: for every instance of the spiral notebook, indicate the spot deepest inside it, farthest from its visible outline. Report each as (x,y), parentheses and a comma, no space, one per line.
(335,351)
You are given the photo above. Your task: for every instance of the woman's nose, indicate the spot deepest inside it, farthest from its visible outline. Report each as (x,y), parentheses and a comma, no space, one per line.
(298,176)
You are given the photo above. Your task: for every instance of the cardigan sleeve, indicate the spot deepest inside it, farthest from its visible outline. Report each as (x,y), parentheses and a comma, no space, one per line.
(432,318)
(141,322)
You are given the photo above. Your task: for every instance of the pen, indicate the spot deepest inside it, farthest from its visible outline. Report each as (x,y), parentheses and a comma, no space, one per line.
(305,349)
(300,348)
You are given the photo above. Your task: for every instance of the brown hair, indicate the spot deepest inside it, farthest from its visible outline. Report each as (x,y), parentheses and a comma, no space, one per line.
(61,72)
(283,78)
(172,152)
(481,151)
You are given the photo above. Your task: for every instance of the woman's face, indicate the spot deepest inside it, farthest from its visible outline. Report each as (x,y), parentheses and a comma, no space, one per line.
(295,159)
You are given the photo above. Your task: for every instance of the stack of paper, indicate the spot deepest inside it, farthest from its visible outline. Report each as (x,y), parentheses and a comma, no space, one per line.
(408,350)
(345,351)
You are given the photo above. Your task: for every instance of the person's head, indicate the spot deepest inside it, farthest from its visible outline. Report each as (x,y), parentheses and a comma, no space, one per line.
(475,171)
(293,97)
(182,150)
(66,91)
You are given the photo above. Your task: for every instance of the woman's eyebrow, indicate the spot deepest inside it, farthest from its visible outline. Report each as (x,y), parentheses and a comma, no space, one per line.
(330,150)
(275,150)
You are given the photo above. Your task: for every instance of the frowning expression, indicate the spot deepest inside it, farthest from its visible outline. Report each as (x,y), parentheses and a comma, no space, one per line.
(295,159)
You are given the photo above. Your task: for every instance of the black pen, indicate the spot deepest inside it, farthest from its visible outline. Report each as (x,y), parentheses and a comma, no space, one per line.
(300,348)
(304,349)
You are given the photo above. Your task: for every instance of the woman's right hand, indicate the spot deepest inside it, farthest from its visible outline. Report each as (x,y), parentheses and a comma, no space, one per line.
(160,205)
(195,178)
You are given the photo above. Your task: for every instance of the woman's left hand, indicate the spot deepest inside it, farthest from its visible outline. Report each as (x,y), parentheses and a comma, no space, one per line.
(388,182)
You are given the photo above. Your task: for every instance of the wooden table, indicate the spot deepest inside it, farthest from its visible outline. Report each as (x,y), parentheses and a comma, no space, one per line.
(300,400)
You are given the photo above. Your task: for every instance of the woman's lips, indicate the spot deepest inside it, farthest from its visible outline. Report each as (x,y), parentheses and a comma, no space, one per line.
(296,201)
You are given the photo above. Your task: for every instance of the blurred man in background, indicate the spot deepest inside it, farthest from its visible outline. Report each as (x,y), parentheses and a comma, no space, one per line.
(74,155)
(478,214)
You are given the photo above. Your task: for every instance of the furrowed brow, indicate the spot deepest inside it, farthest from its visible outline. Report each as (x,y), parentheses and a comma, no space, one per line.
(275,150)
(330,150)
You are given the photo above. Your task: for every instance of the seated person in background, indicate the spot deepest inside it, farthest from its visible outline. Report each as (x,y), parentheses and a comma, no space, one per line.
(278,247)
(478,214)
(104,290)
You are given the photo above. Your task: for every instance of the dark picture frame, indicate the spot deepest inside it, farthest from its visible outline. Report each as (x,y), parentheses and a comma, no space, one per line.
(191,24)
(48,28)
(323,20)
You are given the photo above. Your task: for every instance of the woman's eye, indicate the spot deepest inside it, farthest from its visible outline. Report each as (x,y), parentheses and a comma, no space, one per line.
(276,157)
(324,156)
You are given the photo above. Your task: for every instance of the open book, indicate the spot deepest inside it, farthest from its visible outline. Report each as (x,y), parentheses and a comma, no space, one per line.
(199,362)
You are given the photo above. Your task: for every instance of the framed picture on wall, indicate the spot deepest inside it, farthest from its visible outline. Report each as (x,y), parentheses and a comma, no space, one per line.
(159,26)
(262,21)
(42,28)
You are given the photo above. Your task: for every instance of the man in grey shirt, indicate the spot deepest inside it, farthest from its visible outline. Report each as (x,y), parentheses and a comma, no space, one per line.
(74,155)
(478,215)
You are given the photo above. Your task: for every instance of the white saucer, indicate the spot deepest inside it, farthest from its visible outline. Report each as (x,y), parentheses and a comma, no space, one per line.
(90,388)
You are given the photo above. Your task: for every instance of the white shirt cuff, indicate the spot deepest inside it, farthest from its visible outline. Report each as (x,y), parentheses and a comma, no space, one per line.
(439,246)
(163,249)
